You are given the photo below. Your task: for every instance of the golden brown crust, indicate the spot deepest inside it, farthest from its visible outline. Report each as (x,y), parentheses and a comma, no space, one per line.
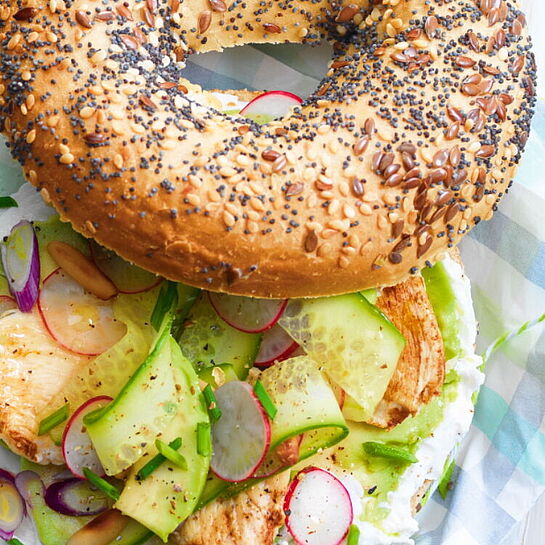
(401,151)
(252,517)
(420,371)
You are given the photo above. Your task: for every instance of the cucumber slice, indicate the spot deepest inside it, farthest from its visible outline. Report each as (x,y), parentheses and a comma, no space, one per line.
(218,375)
(169,495)
(207,340)
(108,373)
(355,343)
(140,413)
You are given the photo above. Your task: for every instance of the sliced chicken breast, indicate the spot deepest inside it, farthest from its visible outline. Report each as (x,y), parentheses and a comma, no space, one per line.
(33,370)
(250,518)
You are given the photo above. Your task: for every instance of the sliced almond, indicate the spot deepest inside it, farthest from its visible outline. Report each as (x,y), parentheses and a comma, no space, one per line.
(81,269)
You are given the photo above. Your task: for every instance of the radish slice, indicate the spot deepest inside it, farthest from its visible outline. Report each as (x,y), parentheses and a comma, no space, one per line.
(318,508)
(276,345)
(247,314)
(77,448)
(12,506)
(127,278)
(76,498)
(76,319)
(273,104)
(7,303)
(21,262)
(242,436)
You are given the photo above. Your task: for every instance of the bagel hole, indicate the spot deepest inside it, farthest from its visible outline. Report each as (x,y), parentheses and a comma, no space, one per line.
(264,67)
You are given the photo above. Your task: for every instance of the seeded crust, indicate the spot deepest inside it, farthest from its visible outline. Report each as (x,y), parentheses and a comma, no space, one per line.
(411,139)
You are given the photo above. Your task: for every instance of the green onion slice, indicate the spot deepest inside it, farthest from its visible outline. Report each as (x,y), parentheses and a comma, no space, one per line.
(146,470)
(167,299)
(109,489)
(8,202)
(14,541)
(211,403)
(265,400)
(353,535)
(444,484)
(93,416)
(54,419)
(204,439)
(391,452)
(171,454)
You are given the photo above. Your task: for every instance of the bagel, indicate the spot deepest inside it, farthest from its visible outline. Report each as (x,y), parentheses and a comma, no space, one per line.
(411,139)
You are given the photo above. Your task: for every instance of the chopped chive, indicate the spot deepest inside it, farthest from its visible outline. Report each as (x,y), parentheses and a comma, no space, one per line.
(391,452)
(93,416)
(353,535)
(54,419)
(8,202)
(145,471)
(172,455)
(102,484)
(445,483)
(211,403)
(166,301)
(266,401)
(204,439)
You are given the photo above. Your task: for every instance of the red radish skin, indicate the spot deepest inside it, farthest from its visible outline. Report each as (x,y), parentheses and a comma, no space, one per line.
(98,255)
(242,434)
(318,508)
(246,314)
(276,103)
(276,346)
(104,338)
(77,448)
(7,303)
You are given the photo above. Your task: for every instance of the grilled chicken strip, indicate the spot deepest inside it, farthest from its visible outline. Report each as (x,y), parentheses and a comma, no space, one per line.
(250,518)
(420,371)
(34,368)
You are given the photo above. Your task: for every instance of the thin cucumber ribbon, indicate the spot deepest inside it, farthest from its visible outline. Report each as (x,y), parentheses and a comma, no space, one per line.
(306,406)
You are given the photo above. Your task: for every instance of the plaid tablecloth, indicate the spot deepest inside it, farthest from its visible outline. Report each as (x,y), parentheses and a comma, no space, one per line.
(500,467)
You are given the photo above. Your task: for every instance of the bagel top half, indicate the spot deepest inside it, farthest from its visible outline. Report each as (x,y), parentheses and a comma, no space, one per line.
(411,139)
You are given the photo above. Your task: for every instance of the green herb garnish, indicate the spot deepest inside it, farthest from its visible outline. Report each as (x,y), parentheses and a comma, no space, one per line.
(353,535)
(8,202)
(54,419)
(391,452)
(93,416)
(171,454)
(211,403)
(146,470)
(444,485)
(14,541)
(204,439)
(266,401)
(102,484)
(168,296)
